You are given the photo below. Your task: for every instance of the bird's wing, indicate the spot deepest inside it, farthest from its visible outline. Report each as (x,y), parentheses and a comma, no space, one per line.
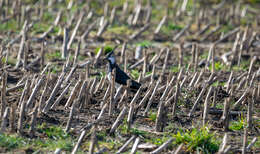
(134,86)
(121,76)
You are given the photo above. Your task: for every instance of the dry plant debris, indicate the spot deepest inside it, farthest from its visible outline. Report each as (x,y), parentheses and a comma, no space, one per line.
(198,63)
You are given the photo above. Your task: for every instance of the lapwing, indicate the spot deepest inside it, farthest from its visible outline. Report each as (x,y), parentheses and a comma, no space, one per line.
(120,76)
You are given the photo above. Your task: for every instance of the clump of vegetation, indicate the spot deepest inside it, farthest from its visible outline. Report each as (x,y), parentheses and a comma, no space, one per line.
(106,49)
(218,66)
(218,83)
(152,116)
(54,55)
(244,65)
(226,28)
(12,25)
(238,125)
(52,137)
(10,142)
(135,74)
(198,140)
(194,24)
(159,140)
(53,132)
(170,28)
(175,69)
(120,30)
(145,44)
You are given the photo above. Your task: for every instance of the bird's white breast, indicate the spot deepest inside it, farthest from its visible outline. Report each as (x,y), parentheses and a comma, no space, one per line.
(109,77)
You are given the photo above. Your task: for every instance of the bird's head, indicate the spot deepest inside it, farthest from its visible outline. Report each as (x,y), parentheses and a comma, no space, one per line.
(111,58)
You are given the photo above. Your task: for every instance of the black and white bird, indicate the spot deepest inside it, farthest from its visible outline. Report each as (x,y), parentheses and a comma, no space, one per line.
(120,76)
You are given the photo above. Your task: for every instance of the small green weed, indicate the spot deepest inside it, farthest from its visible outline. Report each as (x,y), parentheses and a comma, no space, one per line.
(175,27)
(54,55)
(204,55)
(198,139)
(244,66)
(148,73)
(257,123)
(40,28)
(152,116)
(48,17)
(10,61)
(135,74)
(120,30)
(10,142)
(226,28)
(145,43)
(106,49)
(56,138)
(3,60)
(171,27)
(257,144)
(159,140)
(219,106)
(175,69)
(238,125)
(11,25)
(53,137)
(138,132)
(218,66)
(52,132)
(105,140)
(55,69)
(117,3)
(218,83)
(253,1)
(124,129)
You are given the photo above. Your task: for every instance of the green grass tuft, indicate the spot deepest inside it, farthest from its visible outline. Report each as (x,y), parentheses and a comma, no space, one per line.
(175,69)
(238,125)
(145,44)
(120,30)
(198,139)
(135,74)
(10,142)
(11,25)
(52,137)
(152,116)
(108,49)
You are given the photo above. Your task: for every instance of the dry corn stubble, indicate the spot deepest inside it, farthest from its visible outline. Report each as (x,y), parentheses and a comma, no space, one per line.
(194,73)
